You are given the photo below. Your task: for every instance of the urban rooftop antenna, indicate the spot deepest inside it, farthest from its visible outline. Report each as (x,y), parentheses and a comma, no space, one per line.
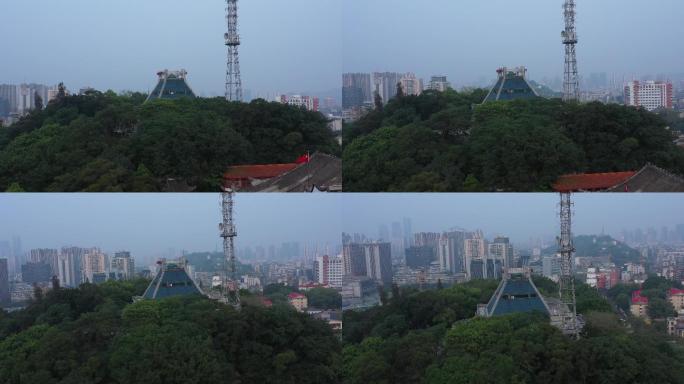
(228,233)
(571,80)
(233,81)
(567,279)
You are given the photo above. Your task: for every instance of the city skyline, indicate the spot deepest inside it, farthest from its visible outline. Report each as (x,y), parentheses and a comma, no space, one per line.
(149,225)
(468,40)
(278,38)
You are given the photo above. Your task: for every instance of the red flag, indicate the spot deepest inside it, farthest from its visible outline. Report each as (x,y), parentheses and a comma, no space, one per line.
(303,159)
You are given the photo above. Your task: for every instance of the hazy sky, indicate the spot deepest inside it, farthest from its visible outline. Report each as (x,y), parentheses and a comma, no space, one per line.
(469,39)
(287,46)
(519,216)
(150,224)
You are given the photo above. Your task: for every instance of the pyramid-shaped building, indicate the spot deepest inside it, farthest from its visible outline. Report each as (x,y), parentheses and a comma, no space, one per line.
(171,85)
(511,85)
(171,280)
(516,293)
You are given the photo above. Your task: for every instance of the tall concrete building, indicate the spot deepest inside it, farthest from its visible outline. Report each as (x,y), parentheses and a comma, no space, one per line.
(95,262)
(357,88)
(70,266)
(439,83)
(649,94)
(328,270)
(450,252)
(379,262)
(46,256)
(4,282)
(502,249)
(354,259)
(123,265)
(474,256)
(411,85)
(385,84)
(398,240)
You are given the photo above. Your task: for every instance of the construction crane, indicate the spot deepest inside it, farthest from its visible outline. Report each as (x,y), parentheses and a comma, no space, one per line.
(231,293)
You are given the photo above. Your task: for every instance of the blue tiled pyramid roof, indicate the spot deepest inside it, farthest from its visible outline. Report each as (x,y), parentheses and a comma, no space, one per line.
(511,86)
(171,85)
(172,280)
(516,294)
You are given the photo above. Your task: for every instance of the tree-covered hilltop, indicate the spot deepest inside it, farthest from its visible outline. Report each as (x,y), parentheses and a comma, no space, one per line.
(432,337)
(602,246)
(104,142)
(94,334)
(450,142)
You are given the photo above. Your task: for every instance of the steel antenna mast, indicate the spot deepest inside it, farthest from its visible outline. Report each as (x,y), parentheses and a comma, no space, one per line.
(233,81)
(567,279)
(571,80)
(228,233)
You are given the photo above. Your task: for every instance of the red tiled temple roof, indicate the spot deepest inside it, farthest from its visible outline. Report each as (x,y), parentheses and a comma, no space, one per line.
(591,181)
(262,171)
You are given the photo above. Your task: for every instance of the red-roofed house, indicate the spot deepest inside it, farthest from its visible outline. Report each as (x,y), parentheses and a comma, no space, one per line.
(676,297)
(639,305)
(298,301)
(239,177)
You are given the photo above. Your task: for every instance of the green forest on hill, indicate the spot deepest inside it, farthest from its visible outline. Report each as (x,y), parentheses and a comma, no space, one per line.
(95,334)
(450,142)
(431,337)
(106,142)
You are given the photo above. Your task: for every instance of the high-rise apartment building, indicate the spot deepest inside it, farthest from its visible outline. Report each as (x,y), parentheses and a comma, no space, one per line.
(95,262)
(411,85)
(379,262)
(450,252)
(70,266)
(328,270)
(649,94)
(123,265)
(46,256)
(502,249)
(357,88)
(354,259)
(385,84)
(4,282)
(439,83)
(474,255)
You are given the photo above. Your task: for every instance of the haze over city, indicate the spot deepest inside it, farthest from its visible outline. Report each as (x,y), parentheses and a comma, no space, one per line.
(120,45)
(468,39)
(150,225)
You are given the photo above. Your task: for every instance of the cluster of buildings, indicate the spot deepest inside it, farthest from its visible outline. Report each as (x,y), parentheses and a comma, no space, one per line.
(68,266)
(675,324)
(359,90)
(420,259)
(18,100)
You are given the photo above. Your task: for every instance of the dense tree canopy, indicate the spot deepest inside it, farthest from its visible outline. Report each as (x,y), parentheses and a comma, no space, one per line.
(105,142)
(450,142)
(94,334)
(432,337)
